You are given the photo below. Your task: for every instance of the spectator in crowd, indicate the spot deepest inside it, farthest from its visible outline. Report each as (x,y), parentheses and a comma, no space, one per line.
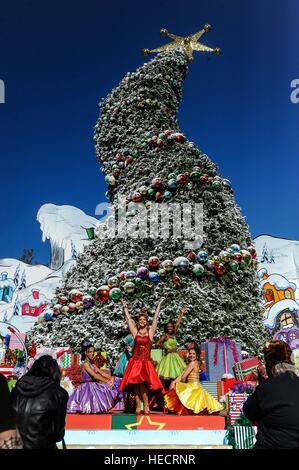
(9,436)
(274,405)
(40,405)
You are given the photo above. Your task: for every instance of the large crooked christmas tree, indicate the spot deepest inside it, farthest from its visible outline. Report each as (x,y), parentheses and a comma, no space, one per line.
(147,159)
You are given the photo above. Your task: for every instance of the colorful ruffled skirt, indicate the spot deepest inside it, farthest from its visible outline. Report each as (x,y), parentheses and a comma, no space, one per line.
(191,398)
(171,366)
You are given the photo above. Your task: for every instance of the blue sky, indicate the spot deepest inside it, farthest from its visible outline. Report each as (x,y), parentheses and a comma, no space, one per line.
(58,58)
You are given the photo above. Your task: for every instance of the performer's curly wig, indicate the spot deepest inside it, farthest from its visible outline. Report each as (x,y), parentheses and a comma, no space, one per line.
(275,352)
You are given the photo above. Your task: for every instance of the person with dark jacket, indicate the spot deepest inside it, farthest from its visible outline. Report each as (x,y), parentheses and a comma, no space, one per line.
(40,405)
(274,405)
(9,437)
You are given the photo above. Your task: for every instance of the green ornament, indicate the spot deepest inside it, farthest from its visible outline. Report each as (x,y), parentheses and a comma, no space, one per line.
(246,256)
(217,185)
(198,270)
(233,266)
(115,294)
(151,192)
(195,176)
(162,272)
(172,176)
(92,291)
(138,282)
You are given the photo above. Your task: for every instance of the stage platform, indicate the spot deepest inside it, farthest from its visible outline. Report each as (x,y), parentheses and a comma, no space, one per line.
(118,431)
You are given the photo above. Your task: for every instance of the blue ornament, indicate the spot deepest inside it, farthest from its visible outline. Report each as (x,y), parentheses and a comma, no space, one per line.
(130,275)
(48,316)
(167,195)
(172,184)
(235,248)
(203,256)
(154,277)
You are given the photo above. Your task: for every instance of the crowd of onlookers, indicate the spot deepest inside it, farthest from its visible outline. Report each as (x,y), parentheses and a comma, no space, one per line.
(33,415)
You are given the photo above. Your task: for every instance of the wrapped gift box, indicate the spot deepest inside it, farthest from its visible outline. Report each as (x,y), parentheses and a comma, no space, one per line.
(245,436)
(6,370)
(69,359)
(220,356)
(235,405)
(244,369)
(224,386)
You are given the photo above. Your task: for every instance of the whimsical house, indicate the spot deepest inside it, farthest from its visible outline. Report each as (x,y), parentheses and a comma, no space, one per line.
(35,304)
(281,308)
(7,287)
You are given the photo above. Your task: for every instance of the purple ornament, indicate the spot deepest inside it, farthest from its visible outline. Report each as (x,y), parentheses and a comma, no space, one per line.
(142,272)
(88,302)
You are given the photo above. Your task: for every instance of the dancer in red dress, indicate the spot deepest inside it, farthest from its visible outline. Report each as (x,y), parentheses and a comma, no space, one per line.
(140,373)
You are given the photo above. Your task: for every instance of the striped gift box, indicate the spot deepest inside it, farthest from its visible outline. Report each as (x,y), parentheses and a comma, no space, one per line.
(211,388)
(15,342)
(245,436)
(235,406)
(6,370)
(69,359)
(244,368)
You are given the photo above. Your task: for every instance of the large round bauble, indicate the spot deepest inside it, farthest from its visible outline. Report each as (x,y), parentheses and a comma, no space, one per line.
(113,282)
(88,302)
(235,248)
(64,309)
(195,176)
(142,272)
(191,256)
(102,294)
(224,256)
(172,184)
(233,265)
(246,256)
(180,138)
(138,282)
(148,204)
(129,287)
(237,257)
(181,264)
(162,272)
(217,185)
(220,269)
(72,307)
(176,279)
(167,195)
(62,300)
(252,251)
(48,315)
(151,192)
(172,176)
(130,275)
(137,197)
(167,265)
(122,275)
(115,294)
(57,309)
(181,179)
(143,190)
(204,179)
(110,180)
(226,183)
(116,173)
(158,196)
(216,259)
(154,277)
(198,270)
(203,256)
(210,265)
(79,306)
(156,183)
(154,262)
(92,291)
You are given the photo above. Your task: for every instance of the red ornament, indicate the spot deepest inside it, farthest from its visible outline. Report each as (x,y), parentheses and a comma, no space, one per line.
(180,138)
(33,349)
(154,262)
(122,275)
(116,173)
(181,179)
(129,160)
(119,157)
(76,297)
(157,183)
(220,269)
(160,142)
(204,179)
(237,257)
(191,256)
(62,300)
(176,279)
(72,307)
(252,251)
(158,196)
(102,294)
(137,197)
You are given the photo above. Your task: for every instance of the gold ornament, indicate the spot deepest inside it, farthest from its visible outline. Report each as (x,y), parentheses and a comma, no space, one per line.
(187,43)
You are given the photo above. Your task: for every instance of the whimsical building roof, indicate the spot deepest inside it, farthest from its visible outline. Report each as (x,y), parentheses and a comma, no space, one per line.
(278,308)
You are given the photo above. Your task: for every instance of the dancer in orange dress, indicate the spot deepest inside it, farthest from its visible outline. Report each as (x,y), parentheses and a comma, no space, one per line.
(140,374)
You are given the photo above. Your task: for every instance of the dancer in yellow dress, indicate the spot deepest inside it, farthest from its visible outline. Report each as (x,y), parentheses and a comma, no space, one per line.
(190,397)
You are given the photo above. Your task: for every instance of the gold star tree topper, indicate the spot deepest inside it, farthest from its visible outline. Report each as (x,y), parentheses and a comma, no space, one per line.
(187,43)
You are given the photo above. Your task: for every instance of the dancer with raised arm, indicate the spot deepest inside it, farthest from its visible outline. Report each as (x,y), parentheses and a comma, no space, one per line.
(140,374)
(171,365)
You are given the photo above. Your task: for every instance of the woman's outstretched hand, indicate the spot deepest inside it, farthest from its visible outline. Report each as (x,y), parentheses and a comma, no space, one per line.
(123,303)
(184,309)
(161,301)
